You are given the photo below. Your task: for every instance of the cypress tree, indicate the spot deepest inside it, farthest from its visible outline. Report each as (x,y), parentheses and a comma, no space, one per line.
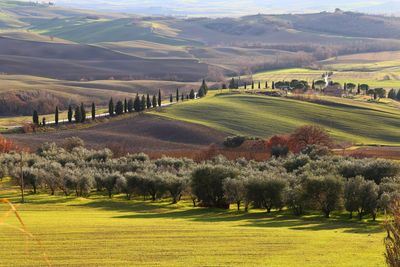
(313,85)
(266,84)
(56,116)
(70,113)
(398,95)
(35,117)
(125,106)
(205,87)
(154,102)
(111,107)
(187,97)
(93,111)
(119,108)
(171,99)
(44,121)
(148,102)
(182,97)
(259,85)
(200,93)
(392,94)
(273,85)
(177,95)
(78,116)
(192,95)
(245,85)
(130,105)
(223,86)
(358,89)
(136,104)
(143,103)
(232,84)
(159,98)
(83,113)
(252,84)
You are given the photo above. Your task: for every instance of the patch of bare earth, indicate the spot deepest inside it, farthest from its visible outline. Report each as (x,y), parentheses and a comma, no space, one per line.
(144,133)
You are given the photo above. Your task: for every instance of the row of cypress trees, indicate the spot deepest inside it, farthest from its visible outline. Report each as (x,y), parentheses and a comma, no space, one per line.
(138,104)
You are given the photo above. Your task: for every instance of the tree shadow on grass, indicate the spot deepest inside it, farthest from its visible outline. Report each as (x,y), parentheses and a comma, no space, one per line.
(277,219)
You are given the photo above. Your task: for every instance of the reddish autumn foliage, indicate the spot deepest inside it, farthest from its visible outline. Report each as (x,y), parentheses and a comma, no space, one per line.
(309,135)
(6,145)
(278,140)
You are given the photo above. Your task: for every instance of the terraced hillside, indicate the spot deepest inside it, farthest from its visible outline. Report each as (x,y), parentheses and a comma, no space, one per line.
(359,122)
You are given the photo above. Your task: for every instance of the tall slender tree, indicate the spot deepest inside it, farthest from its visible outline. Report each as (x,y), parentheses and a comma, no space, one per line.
(148,101)
(70,113)
(192,95)
(159,98)
(182,97)
(252,84)
(136,104)
(35,117)
(154,102)
(259,85)
(78,115)
(130,105)
(56,116)
(83,113)
(177,95)
(266,84)
(119,108)
(44,121)
(125,106)
(143,103)
(171,99)
(398,95)
(111,107)
(93,111)
(273,85)
(204,87)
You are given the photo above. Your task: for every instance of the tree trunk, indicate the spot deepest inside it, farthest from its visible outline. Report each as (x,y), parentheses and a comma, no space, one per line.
(238,205)
(351,215)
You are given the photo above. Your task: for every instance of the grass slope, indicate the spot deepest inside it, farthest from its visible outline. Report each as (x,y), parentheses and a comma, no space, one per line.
(98,231)
(265,116)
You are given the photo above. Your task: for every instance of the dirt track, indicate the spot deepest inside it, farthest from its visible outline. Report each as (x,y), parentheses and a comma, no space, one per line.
(142,133)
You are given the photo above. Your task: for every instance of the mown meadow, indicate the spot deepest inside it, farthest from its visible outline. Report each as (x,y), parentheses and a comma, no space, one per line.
(96,231)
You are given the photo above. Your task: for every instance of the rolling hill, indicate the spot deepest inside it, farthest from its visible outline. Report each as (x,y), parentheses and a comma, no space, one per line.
(263,116)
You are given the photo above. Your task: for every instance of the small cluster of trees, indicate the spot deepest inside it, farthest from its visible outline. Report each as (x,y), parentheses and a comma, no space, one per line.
(304,182)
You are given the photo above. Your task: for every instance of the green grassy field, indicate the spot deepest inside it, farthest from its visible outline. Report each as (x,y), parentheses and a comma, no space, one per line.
(359,122)
(102,232)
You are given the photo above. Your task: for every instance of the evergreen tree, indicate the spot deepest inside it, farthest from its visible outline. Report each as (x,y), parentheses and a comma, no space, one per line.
(70,113)
(187,97)
(345,87)
(78,116)
(56,116)
(35,117)
(182,97)
(313,85)
(119,108)
(259,85)
(245,85)
(177,95)
(398,95)
(252,84)
(154,102)
(392,94)
(273,85)
(232,84)
(125,106)
(83,113)
(136,104)
(191,94)
(159,98)
(358,89)
(130,105)
(171,99)
(143,103)
(224,86)
(111,107)
(266,84)
(93,111)
(204,88)
(148,101)
(44,121)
